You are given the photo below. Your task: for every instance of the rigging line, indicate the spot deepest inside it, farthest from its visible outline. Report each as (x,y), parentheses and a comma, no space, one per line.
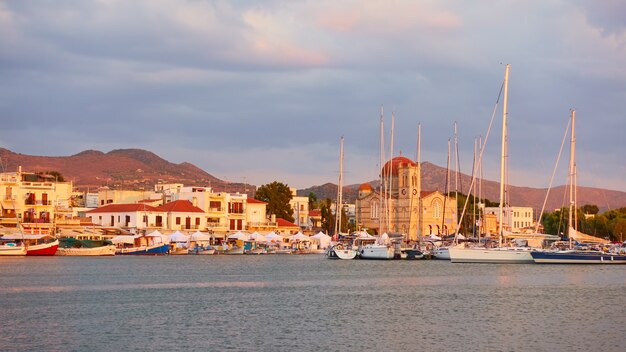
(543,207)
(480,157)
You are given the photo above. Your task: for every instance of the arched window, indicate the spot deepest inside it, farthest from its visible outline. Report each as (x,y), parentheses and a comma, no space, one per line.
(374,209)
(436,206)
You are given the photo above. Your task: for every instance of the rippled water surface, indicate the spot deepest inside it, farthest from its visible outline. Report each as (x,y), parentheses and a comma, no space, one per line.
(306,303)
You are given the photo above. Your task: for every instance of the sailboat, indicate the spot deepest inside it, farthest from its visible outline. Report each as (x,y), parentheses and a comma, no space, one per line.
(340,250)
(462,254)
(575,256)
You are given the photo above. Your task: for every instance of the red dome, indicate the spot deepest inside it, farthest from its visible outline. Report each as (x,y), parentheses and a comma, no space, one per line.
(395,163)
(366,187)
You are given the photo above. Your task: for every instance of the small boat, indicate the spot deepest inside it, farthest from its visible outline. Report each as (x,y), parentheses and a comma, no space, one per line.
(140,245)
(11,248)
(201,250)
(339,251)
(441,253)
(413,254)
(376,251)
(75,247)
(35,245)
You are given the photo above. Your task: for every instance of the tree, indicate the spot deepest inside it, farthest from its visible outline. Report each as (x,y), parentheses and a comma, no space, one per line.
(312,201)
(277,196)
(590,209)
(328,221)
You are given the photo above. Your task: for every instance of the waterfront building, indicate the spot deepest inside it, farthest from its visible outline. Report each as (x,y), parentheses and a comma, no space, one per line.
(119,196)
(515,219)
(315,217)
(300,207)
(33,200)
(182,215)
(127,216)
(285,227)
(256,216)
(403,207)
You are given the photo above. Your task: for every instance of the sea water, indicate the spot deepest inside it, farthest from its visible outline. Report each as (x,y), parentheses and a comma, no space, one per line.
(306,303)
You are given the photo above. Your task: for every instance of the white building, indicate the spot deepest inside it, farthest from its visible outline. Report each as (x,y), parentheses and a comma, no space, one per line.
(516,219)
(300,206)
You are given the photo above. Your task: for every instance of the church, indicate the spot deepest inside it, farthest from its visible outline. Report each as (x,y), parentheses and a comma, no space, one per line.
(404,207)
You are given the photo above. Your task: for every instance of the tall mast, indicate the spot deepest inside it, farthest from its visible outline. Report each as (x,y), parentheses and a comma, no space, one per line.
(572,178)
(390,175)
(419,180)
(382,184)
(456,170)
(445,196)
(504,151)
(339,208)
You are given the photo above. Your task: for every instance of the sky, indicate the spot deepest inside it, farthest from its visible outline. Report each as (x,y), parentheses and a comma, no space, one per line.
(262,91)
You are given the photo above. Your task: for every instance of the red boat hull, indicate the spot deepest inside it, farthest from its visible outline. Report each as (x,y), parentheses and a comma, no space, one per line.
(43,249)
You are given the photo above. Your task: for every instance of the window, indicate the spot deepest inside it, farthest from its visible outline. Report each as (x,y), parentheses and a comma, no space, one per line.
(374,209)
(178,220)
(436,209)
(145,219)
(301,207)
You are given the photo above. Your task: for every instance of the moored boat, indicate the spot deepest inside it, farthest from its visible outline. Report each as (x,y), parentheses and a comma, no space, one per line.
(12,248)
(502,255)
(442,253)
(577,257)
(140,245)
(35,245)
(339,251)
(74,247)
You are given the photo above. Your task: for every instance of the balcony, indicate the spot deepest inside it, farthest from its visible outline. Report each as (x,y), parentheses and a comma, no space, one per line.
(38,202)
(216,210)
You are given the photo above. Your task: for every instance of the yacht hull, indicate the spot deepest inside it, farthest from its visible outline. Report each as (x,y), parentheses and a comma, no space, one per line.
(495,255)
(574,257)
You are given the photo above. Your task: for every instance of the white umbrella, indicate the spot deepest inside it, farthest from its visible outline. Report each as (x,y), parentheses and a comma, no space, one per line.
(273,237)
(299,237)
(239,236)
(179,237)
(199,236)
(257,237)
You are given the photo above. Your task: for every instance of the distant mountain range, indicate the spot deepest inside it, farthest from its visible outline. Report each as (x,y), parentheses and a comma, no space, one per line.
(434,178)
(118,169)
(141,169)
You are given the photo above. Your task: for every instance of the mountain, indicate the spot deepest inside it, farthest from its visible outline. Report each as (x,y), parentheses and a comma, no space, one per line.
(117,169)
(434,178)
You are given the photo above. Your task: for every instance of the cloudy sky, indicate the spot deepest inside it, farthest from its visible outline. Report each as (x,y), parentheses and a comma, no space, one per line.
(263,90)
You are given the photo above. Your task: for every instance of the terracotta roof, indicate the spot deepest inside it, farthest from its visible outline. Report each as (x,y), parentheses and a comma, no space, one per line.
(179,206)
(123,208)
(397,162)
(315,212)
(255,201)
(284,223)
(365,187)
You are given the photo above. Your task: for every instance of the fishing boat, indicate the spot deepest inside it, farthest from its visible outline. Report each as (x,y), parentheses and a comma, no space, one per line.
(140,245)
(35,245)
(74,247)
